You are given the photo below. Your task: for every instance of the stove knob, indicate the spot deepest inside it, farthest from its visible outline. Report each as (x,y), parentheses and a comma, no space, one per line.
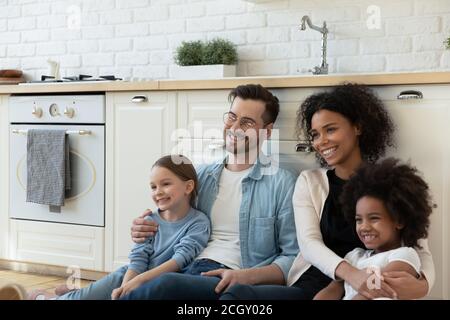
(69,112)
(37,112)
(53,110)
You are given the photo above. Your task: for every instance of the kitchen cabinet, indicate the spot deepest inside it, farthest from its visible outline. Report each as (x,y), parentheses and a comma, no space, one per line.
(57,244)
(422,138)
(139,127)
(4,174)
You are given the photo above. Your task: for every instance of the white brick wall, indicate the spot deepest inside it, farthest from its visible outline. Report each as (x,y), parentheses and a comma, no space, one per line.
(154,13)
(445,60)
(3,25)
(37,9)
(137,38)
(21,50)
(138,58)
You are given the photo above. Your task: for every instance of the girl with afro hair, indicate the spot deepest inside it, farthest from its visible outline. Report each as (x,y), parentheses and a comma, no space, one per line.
(390,205)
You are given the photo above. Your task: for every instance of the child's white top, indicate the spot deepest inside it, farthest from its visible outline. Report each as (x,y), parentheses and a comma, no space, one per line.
(362,259)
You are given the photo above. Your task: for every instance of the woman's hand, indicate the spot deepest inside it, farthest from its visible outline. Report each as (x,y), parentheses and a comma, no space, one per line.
(142,228)
(406,285)
(229,278)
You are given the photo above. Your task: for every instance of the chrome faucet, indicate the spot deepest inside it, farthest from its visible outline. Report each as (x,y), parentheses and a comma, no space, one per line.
(323,69)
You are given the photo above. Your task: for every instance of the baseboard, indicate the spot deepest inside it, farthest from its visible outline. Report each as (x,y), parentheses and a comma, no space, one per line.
(48,270)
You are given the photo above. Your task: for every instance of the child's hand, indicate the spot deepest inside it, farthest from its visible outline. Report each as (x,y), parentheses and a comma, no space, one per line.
(369,285)
(125,289)
(116,294)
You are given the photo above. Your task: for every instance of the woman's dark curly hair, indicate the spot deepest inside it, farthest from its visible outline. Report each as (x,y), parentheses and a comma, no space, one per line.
(404,194)
(361,107)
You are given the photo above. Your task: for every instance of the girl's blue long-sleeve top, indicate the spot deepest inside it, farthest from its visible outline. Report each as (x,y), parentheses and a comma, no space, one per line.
(180,240)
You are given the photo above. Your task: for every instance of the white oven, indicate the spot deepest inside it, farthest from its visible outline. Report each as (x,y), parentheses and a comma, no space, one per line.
(83,118)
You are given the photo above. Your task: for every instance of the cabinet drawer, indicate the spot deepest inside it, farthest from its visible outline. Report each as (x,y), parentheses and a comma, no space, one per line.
(57,244)
(428,92)
(143,98)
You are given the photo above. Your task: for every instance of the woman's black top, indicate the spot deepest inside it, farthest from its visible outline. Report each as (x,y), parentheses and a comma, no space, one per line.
(337,233)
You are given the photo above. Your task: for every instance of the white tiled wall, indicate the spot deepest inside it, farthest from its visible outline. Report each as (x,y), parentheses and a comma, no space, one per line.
(136,38)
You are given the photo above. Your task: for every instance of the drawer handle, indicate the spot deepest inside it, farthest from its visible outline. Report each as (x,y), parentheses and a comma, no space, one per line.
(410,94)
(139,99)
(303,147)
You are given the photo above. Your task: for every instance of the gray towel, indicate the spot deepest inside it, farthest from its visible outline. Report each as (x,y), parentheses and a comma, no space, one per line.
(48,166)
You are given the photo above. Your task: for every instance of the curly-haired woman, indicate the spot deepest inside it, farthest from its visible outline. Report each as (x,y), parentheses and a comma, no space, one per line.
(390,205)
(347,126)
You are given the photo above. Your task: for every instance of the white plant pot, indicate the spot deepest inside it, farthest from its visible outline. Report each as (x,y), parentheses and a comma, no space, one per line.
(213,71)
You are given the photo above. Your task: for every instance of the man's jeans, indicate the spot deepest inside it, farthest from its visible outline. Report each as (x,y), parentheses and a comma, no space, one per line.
(189,285)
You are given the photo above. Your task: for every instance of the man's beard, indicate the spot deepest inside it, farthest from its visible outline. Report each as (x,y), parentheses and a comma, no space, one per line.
(243,147)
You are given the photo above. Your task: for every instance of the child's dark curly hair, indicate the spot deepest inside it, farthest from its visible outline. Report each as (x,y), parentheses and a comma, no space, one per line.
(404,194)
(361,107)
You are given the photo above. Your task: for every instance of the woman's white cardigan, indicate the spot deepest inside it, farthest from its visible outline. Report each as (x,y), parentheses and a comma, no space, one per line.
(311,191)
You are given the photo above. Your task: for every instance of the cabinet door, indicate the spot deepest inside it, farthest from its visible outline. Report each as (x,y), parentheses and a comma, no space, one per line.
(422,133)
(290,101)
(139,127)
(4,176)
(201,113)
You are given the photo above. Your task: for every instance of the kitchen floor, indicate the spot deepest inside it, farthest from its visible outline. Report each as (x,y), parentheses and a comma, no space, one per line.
(36,281)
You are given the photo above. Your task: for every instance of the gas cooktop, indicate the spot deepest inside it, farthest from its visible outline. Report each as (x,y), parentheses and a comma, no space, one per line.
(79,78)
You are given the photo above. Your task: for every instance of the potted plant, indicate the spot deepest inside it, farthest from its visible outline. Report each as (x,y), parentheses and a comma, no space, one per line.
(447,43)
(216,58)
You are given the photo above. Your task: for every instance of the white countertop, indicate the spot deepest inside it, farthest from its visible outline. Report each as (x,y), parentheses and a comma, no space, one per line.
(228,83)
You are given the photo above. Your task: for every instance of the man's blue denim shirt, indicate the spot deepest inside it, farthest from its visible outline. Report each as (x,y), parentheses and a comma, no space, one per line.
(266,216)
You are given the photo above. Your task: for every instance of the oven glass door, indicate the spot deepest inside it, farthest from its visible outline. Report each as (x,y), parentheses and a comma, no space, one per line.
(84,203)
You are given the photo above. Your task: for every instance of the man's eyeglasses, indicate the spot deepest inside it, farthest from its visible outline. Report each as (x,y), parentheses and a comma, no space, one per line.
(229,118)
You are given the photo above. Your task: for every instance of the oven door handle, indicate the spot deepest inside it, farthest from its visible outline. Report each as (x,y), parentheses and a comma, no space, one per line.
(79,132)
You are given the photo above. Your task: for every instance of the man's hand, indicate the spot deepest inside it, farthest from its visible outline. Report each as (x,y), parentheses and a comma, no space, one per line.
(142,229)
(229,277)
